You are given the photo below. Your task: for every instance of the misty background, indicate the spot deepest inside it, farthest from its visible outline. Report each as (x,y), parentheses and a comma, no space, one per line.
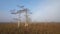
(42,10)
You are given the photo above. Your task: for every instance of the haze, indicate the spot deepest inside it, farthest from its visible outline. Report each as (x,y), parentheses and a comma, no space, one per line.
(42,10)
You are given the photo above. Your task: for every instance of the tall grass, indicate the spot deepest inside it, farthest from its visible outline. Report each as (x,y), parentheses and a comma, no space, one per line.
(33,28)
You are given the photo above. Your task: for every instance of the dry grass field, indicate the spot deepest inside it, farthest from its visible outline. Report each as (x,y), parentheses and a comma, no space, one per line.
(33,28)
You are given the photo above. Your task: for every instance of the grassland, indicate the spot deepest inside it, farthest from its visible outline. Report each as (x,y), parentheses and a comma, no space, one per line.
(33,28)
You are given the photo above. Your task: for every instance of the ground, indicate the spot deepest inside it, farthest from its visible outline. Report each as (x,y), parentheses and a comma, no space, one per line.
(33,28)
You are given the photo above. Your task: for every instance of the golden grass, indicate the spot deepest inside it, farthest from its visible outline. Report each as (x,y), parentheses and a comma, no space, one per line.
(33,28)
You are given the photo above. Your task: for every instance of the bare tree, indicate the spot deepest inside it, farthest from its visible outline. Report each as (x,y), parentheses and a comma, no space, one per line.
(27,12)
(22,10)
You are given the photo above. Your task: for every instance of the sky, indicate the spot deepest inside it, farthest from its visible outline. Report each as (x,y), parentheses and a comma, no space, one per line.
(42,10)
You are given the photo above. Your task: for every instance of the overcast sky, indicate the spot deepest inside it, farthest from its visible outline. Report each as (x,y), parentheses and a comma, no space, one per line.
(43,10)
